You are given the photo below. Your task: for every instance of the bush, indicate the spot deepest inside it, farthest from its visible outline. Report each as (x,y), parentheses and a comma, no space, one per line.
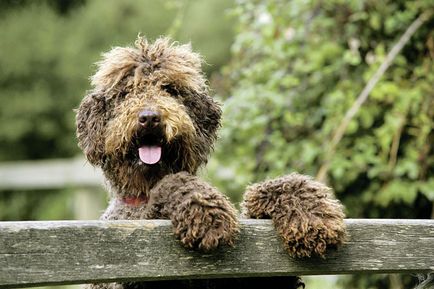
(297,67)
(47,49)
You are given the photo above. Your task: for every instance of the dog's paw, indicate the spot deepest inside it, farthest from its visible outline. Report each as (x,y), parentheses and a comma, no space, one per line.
(307,216)
(205,222)
(304,211)
(306,235)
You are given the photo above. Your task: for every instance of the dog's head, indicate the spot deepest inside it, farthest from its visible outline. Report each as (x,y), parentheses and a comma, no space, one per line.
(149,112)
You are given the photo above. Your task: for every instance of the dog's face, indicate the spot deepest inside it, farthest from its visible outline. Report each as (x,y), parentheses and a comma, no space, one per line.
(149,114)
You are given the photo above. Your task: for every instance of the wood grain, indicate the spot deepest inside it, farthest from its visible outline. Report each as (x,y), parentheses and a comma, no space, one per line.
(67,252)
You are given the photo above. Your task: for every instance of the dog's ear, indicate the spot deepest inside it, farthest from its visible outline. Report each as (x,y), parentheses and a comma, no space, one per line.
(208,113)
(90,121)
(213,116)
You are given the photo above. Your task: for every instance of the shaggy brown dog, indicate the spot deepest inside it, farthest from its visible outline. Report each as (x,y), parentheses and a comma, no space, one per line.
(149,123)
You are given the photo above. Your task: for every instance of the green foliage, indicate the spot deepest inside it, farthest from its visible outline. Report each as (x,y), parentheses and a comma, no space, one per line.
(36,205)
(297,68)
(48,48)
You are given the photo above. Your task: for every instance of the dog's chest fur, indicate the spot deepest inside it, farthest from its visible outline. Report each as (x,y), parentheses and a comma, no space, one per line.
(118,209)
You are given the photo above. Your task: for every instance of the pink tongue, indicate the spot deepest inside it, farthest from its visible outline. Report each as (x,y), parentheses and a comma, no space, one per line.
(150,154)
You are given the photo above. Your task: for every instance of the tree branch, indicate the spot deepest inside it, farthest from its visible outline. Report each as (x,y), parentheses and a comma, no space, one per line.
(363,96)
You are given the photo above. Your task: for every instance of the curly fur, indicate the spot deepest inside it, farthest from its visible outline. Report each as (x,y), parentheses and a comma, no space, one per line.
(166,78)
(160,76)
(200,214)
(121,129)
(305,213)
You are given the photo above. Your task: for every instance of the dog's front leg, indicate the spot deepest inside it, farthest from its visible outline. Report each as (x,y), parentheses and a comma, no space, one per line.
(202,217)
(304,212)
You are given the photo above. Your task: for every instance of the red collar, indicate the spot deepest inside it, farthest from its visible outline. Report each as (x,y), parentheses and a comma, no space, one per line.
(135,200)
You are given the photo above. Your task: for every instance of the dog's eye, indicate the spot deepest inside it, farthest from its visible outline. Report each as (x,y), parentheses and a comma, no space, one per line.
(170,89)
(122,94)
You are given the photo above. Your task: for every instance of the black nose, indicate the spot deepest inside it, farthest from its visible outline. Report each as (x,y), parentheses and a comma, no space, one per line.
(149,118)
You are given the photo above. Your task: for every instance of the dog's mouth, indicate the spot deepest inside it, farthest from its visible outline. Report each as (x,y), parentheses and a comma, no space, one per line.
(149,148)
(150,154)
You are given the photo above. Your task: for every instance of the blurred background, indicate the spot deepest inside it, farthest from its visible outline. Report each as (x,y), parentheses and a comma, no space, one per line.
(286,72)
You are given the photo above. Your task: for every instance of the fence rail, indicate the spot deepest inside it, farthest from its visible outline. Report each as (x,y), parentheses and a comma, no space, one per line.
(68,252)
(49,174)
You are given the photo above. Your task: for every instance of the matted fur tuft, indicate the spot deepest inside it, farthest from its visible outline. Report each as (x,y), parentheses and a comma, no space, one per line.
(305,213)
(177,64)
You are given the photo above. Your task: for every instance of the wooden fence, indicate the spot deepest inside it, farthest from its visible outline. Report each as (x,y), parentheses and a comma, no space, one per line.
(75,173)
(49,174)
(70,252)
(73,252)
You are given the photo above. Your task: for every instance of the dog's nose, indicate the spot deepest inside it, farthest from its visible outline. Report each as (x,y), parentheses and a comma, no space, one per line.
(149,118)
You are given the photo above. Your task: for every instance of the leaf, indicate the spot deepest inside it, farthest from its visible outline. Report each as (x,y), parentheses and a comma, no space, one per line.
(427,188)
(396,191)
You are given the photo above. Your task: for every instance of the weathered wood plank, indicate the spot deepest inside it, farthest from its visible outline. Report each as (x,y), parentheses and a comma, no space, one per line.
(60,252)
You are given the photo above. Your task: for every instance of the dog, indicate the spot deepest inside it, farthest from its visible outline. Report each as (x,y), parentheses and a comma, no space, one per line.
(149,123)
